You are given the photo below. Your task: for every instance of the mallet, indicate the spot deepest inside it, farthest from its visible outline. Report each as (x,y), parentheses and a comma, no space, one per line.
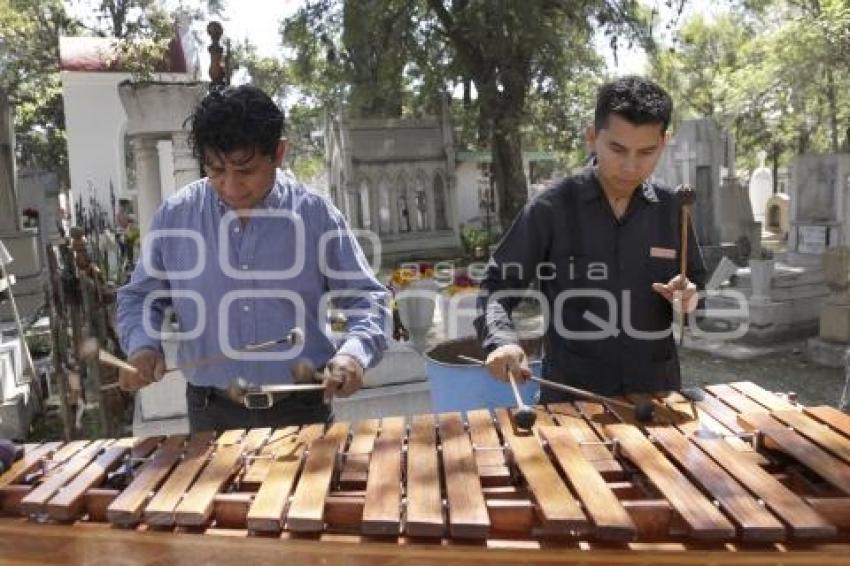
(687,197)
(643,410)
(694,395)
(90,350)
(252,396)
(294,337)
(525,416)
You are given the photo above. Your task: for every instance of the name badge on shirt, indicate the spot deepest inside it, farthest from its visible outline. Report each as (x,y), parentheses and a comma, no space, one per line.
(664,253)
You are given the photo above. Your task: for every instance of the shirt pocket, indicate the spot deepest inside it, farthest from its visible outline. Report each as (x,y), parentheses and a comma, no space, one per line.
(662,269)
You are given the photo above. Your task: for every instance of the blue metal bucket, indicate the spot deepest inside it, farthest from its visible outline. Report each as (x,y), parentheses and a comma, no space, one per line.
(458,385)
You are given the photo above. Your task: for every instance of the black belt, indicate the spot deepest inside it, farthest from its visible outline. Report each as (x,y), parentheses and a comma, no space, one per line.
(256,400)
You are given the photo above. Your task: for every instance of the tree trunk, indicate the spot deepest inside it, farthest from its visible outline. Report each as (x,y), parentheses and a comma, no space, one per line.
(511,186)
(833,109)
(377,81)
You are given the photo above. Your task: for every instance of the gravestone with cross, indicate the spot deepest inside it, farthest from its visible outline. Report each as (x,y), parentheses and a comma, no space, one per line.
(703,155)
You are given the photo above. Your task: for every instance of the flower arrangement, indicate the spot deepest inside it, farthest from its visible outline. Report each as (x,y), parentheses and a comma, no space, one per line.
(408,273)
(462,283)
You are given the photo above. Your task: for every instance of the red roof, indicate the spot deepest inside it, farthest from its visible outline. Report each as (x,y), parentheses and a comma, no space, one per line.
(98,54)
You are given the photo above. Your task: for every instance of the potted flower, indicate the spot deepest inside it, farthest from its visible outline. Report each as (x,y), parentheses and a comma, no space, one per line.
(457,306)
(415,290)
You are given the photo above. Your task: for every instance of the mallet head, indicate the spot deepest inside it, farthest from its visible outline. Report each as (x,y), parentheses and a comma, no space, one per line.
(644,411)
(89,349)
(295,337)
(525,417)
(686,195)
(237,389)
(303,371)
(693,394)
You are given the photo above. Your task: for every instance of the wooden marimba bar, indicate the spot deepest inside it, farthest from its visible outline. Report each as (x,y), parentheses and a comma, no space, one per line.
(753,472)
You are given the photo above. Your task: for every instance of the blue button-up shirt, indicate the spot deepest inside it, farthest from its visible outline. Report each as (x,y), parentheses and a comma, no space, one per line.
(232,284)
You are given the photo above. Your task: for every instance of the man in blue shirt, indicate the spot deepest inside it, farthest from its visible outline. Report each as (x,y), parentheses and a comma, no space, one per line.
(244,256)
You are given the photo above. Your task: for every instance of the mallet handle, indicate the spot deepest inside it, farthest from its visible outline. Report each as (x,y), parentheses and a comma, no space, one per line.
(582,393)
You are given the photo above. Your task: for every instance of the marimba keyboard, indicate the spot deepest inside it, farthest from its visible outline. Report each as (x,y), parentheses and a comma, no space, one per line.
(753,469)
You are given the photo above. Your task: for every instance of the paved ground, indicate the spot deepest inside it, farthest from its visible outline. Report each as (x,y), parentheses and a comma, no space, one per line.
(786,371)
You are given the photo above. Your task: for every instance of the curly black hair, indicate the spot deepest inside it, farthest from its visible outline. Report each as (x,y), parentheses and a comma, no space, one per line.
(232,118)
(638,100)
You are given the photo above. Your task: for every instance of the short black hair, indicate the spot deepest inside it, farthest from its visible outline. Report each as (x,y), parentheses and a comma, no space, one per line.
(233,118)
(638,100)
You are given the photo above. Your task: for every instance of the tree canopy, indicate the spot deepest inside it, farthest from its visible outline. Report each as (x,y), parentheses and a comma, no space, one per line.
(526,69)
(774,72)
(29,60)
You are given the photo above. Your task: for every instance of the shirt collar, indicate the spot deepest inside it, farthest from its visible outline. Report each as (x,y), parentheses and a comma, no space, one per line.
(272,197)
(592,189)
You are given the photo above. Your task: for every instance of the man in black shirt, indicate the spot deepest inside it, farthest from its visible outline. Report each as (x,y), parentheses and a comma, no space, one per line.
(604,247)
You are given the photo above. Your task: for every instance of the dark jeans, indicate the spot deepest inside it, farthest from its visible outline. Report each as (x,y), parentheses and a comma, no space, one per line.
(209,409)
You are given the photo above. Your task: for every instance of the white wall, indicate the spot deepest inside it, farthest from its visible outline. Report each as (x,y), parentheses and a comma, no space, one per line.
(94,125)
(467,191)
(468,175)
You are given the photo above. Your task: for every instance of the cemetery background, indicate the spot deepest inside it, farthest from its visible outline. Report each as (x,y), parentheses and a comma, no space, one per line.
(435,157)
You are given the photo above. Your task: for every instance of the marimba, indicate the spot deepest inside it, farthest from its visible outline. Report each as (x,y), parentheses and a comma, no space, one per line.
(742,475)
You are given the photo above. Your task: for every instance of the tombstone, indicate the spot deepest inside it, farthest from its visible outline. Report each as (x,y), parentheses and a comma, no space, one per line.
(703,155)
(834,329)
(761,189)
(736,214)
(407,168)
(38,189)
(819,187)
(777,217)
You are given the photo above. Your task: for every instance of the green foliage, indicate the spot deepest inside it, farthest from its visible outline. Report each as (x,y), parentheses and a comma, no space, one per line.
(274,76)
(29,74)
(472,238)
(517,54)
(29,61)
(774,72)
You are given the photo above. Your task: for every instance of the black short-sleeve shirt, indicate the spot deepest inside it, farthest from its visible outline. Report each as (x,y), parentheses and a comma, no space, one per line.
(608,331)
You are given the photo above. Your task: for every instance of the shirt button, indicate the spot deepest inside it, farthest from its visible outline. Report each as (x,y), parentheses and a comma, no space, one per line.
(246,308)
(244,266)
(236,230)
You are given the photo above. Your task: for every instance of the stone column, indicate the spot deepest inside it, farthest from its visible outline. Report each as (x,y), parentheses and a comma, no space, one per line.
(432,208)
(394,220)
(148,186)
(375,209)
(186,167)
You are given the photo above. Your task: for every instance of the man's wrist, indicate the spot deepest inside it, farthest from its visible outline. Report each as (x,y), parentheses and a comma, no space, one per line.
(144,348)
(350,357)
(354,348)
